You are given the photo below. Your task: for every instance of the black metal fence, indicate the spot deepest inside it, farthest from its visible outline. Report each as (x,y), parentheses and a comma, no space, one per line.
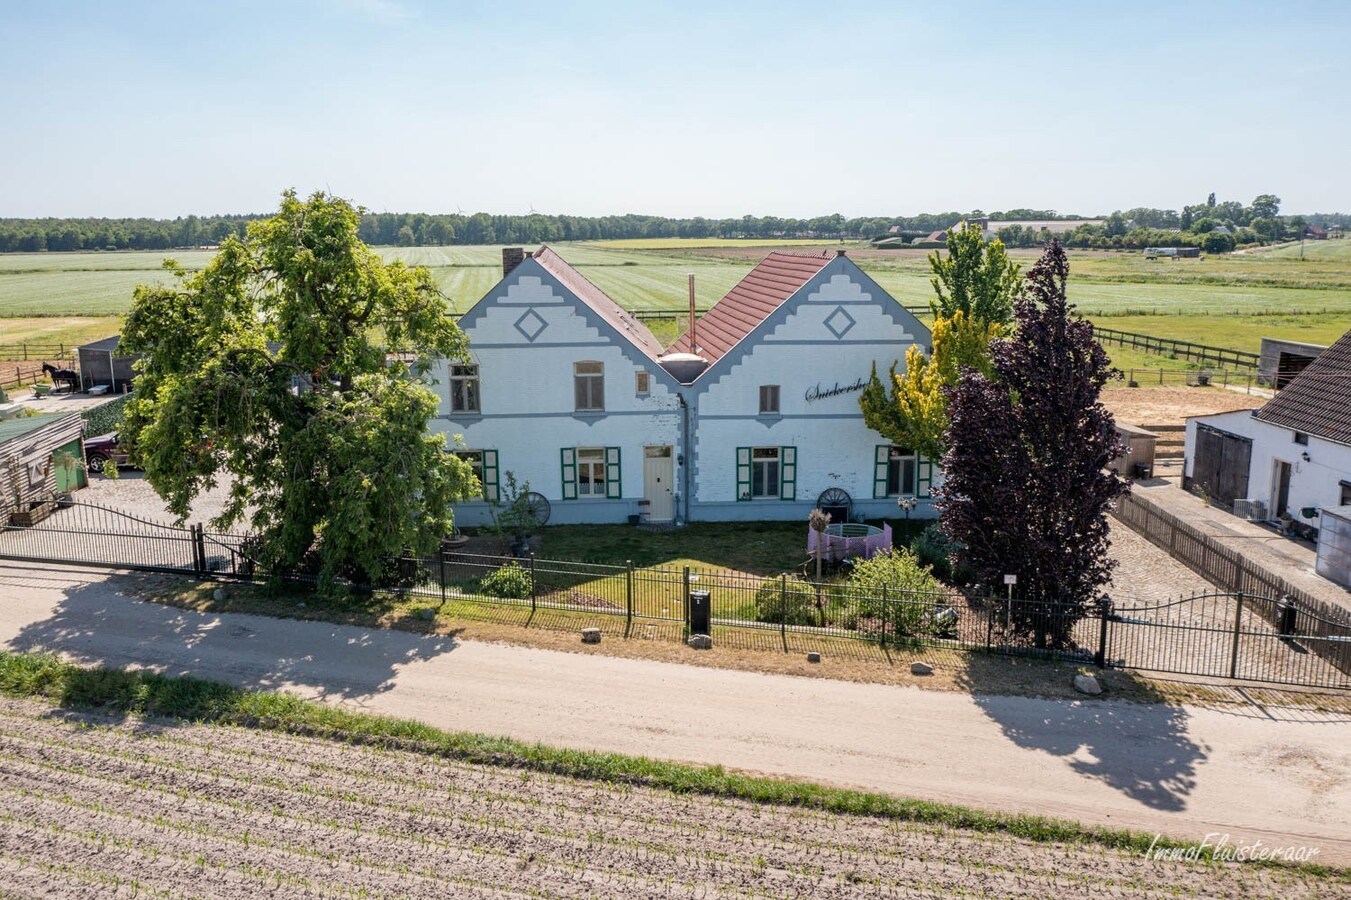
(1224,634)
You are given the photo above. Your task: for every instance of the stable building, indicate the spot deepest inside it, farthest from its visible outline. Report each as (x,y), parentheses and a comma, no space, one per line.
(1288,460)
(752,414)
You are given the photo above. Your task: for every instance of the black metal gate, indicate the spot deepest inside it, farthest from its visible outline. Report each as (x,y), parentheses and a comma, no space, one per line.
(1231,635)
(86,534)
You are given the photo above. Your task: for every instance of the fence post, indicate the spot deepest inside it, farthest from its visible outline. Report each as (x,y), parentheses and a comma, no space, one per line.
(628,597)
(1100,658)
(533,584)
(884,616)
(687,600)
(199,549)
(1238,630)
(783,610)
(441,566)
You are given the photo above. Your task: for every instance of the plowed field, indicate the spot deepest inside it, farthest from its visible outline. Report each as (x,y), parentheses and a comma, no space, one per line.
(96,807)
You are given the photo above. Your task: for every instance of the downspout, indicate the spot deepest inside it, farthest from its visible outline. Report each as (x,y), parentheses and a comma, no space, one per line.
(687,452)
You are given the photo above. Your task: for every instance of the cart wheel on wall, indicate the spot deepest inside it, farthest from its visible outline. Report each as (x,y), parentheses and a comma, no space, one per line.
(837,503)
(537,505)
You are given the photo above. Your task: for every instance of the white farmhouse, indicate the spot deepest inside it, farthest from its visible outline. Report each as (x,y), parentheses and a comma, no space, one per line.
(1291,458)
(751,415)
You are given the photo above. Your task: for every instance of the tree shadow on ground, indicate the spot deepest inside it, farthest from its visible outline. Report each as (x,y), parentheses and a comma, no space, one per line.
(98,621)
(1140,747)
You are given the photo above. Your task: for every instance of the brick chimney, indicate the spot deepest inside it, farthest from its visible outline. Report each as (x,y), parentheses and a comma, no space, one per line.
(511,258)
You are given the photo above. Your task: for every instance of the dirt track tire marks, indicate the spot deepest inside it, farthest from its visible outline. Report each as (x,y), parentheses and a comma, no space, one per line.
(93,807)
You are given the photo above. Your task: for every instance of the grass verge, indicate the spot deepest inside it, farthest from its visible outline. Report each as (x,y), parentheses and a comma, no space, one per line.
(148,694)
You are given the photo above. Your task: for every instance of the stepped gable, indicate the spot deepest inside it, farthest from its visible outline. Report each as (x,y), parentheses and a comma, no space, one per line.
(599,302)
(779,276)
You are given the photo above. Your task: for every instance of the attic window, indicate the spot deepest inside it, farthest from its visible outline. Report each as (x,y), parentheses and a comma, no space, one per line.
(1301,438)
(642,383)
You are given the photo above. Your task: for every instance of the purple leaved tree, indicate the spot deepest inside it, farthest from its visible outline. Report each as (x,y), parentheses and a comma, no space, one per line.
(1026,492)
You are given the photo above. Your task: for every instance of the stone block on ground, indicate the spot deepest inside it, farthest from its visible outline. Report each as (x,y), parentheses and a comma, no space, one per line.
(813,657)
(1087,684)
(218,594)
(700,642)
(590,635)
(921,668)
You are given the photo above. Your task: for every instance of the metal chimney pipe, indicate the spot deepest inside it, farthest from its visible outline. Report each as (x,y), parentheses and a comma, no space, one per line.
(694,342)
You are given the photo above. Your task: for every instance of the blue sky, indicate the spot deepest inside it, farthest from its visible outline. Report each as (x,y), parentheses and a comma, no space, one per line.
(716,109)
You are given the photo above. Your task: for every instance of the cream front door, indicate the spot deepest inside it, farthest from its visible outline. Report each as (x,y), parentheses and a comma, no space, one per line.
(658,483)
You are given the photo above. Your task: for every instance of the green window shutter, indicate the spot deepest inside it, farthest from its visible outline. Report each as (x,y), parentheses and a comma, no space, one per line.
(787,473)
(569,455)
(743,473)
(881,458)
(926,477)
(614,487)
(490,483)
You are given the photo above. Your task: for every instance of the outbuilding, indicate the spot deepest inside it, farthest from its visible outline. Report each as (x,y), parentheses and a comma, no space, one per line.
(752,414)
(101,363)
(32,450)
(1287,460)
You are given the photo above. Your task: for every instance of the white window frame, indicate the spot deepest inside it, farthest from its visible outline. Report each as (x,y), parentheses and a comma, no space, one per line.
(897,457)
(588,384)
(769,399)
(590,461)
(766,461)
(464,387)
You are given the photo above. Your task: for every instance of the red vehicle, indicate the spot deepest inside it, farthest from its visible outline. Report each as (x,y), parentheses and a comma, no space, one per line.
(98,450)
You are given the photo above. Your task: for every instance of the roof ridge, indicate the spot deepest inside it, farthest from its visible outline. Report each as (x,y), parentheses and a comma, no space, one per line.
(762,290)
(600,302)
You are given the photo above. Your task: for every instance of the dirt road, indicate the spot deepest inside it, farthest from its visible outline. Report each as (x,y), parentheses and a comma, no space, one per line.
(95,805)
(1282,776)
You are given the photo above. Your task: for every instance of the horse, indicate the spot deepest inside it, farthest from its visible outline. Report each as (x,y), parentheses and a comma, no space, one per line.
(69,377)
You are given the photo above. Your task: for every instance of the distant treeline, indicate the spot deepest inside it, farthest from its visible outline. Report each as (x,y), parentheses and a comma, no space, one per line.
(1149,226)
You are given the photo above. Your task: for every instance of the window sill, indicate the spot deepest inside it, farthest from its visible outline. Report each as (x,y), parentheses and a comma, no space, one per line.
(588,413)
(771,417)
(464,416)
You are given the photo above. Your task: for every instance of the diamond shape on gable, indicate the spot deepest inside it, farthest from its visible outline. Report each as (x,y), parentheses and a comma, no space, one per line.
(531,325)
(839,322)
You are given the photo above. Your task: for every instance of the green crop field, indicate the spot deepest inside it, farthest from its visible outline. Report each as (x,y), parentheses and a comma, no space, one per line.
(1230,301)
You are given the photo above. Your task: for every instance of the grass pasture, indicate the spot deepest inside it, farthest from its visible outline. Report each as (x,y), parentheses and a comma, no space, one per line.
(1229,301)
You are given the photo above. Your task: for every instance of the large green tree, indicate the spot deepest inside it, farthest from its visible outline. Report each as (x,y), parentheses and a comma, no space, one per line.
(976,277)
(291,368)
(974,286)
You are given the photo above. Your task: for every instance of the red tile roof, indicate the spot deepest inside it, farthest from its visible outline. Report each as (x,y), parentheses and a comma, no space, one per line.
(597,299)
(778,277)
(1318,400)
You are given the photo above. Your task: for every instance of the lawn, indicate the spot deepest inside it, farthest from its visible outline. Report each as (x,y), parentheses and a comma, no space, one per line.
(69,330)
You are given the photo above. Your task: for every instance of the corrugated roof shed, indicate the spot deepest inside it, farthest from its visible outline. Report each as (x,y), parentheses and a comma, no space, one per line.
(1317,401)
(12,429)
(779,276)
(597,299)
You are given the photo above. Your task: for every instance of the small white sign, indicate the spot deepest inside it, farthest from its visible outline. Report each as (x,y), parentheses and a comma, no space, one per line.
(1010,579)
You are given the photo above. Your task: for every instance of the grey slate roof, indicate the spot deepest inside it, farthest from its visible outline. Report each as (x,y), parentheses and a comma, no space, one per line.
(1317,401)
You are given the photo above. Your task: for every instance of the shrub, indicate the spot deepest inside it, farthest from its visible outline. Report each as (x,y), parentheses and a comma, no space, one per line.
(794,606)
(105,417)
(909,586)
(508,581)
(936,550)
